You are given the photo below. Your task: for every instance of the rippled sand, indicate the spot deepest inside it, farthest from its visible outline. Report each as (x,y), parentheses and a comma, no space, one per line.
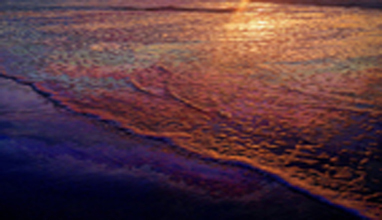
(293,90)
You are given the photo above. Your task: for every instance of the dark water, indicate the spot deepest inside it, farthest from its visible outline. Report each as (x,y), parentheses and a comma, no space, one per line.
(56,165)
(233,104)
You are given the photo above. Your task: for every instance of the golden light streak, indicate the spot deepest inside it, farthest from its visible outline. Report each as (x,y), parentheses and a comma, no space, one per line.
(242,5)
(243,26)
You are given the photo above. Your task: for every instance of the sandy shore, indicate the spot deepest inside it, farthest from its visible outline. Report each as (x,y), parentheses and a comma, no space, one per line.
(64,166)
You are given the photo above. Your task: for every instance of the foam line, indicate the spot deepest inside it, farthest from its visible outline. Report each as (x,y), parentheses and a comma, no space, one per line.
(221,161)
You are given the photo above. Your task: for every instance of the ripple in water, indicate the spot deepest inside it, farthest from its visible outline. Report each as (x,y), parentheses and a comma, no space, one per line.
(293,90)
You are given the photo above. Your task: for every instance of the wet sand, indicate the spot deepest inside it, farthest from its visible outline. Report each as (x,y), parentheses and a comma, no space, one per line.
(56,164)
(244,106)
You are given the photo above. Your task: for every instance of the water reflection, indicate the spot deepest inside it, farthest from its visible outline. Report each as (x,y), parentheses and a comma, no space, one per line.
(292,90)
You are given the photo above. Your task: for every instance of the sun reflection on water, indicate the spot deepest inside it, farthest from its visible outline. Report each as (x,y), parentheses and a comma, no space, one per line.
(286,92)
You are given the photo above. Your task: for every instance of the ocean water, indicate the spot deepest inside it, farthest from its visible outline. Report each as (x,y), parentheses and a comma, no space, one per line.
(292,91)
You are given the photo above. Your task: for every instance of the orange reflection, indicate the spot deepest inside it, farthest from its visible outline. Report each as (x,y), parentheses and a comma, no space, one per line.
(265,88)
(248,26)
(243,4)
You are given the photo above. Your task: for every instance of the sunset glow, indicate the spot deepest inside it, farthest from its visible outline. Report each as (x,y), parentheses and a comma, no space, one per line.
(242,105)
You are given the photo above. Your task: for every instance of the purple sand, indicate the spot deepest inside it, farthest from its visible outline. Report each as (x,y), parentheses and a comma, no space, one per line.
(59,165)
(267,111)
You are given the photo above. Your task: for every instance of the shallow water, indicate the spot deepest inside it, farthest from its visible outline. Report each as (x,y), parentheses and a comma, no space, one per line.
(292,90)
(59,165)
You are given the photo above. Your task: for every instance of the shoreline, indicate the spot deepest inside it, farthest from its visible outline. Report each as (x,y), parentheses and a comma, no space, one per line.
(61,144)
(67,157)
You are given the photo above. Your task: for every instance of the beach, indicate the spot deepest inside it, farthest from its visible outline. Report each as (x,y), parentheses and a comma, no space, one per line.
(56,164)
(235,110)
